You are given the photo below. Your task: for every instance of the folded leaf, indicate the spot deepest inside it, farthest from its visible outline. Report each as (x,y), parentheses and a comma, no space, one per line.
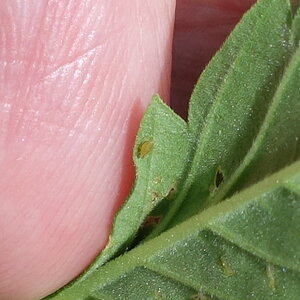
(162,136)
(247,247)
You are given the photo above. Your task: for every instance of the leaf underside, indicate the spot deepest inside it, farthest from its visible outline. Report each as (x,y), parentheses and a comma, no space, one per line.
(243,126)
(246,247)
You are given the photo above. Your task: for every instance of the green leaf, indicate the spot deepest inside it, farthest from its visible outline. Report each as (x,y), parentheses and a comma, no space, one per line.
(277,143)
(243,118)
(161,131)
(246,247)
(243,125)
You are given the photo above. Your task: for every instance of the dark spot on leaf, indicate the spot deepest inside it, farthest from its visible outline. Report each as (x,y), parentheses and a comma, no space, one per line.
(172,190)
(145,148)
(152,220)
(219,178)
(218,181)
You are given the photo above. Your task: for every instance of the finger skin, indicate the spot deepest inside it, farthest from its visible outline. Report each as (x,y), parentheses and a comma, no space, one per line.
(201,26)
(75,79)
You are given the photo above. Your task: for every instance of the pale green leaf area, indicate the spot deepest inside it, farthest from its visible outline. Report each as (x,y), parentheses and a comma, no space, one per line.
(243,126)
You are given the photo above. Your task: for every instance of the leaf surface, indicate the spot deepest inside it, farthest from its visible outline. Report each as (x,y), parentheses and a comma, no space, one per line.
(246,247)
(244,112)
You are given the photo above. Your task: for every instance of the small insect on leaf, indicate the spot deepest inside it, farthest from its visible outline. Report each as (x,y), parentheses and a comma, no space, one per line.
(156,197)
(173,189)
(145,148)
(219,178)
(270,275)
(228,270)
(152,220)
(218,181)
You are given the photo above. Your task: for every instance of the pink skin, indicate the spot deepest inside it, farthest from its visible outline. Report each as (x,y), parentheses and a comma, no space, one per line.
(75,79)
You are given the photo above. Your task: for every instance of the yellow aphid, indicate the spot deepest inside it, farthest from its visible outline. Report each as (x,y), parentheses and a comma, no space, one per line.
(227,268)
(145,148)
(270,275)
